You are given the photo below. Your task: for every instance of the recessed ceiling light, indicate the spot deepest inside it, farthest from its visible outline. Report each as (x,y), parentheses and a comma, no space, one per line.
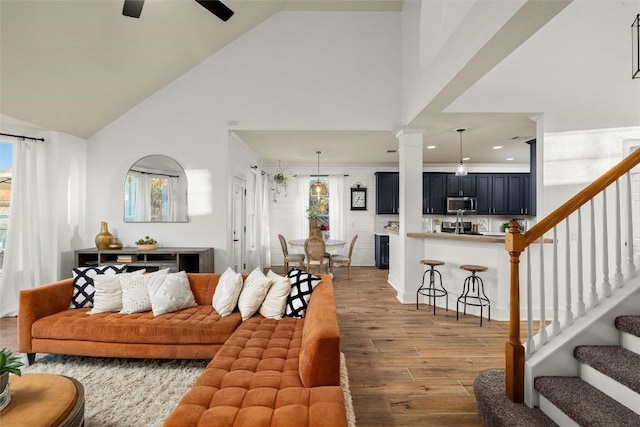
(497,147)
(466,158)
(430,147)
(509,159)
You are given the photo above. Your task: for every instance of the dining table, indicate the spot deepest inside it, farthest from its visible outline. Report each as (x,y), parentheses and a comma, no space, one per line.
(331,244)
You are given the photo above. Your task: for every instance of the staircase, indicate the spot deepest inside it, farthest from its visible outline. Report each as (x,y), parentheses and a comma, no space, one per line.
(579,364)
(606,392)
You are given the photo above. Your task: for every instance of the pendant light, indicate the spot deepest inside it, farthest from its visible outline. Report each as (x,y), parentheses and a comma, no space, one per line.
(461,170)
(318,188)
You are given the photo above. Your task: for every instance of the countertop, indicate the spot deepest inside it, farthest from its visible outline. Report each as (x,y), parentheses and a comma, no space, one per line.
(485,238)
(466,237)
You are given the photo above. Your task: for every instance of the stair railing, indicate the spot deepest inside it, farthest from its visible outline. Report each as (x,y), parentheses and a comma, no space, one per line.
(591,197)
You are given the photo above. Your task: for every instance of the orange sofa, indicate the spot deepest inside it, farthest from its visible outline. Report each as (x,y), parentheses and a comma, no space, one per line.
(263,372)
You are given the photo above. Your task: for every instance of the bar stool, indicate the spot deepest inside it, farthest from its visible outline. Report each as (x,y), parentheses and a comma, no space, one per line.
(475,285)
(431,290)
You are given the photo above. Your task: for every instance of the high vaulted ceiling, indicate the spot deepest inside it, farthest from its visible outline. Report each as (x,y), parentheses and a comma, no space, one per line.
(74,66)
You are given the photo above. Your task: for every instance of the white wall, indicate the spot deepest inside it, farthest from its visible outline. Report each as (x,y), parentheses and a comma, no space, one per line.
(294,71)
(433,53)
(575,70)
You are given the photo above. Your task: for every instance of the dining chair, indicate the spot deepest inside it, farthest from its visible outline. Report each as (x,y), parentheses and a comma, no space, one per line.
(315,250)
(290,258)
(344,260)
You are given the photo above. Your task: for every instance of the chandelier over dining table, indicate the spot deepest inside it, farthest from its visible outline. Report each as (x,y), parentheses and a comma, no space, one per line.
(318,188)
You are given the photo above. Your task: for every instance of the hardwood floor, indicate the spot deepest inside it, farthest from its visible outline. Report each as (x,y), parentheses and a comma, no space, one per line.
(407,367)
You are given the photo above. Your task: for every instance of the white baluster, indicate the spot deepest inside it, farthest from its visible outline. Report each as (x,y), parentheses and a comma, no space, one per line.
(555,326)
(606,286)
(617,276)
(580,278)
(543,322)
(568,314)
(631,267)
(594,293)
(531,348)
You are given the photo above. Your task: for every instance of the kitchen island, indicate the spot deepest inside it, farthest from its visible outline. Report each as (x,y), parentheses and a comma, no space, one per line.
(456,250)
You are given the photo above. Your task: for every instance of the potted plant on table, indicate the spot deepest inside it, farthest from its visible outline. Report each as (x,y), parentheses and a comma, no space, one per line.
(9,364)
(147,244)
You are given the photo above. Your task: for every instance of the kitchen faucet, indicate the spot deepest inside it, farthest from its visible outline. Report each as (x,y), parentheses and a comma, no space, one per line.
(459,228)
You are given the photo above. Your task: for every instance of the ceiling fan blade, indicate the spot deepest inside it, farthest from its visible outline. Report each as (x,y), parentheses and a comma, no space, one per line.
(132,8)
(217,8)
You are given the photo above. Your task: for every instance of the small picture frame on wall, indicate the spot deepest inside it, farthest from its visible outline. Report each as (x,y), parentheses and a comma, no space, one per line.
(358,198)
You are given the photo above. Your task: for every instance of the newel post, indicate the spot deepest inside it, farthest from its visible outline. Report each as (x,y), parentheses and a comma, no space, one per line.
(514,350)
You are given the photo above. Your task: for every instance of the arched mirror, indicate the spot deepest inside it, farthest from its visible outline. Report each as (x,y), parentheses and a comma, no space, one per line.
(155,190)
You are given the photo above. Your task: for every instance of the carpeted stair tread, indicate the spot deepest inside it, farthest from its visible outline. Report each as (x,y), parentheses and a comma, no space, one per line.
(629,324)
(496,410)
(616,362)
(586,405)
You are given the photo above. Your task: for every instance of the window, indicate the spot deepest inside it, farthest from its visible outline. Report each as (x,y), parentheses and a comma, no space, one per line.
(319,205)
(6,153)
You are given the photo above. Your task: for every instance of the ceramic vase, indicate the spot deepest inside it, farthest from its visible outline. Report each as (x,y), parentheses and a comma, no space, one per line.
(103,239)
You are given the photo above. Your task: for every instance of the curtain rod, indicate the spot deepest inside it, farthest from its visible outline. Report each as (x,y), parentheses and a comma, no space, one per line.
(154,173)
(22,137)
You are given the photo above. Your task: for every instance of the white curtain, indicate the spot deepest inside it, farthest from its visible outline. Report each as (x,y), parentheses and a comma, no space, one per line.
(28,232)
(259,245)
(143,197)
(301,203)
(337,207)
(172,188)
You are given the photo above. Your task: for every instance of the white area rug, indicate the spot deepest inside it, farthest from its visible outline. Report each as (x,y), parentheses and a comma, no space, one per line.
(138,392)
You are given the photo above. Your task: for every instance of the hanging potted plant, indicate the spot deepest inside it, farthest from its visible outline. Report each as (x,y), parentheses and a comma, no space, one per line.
(279,184)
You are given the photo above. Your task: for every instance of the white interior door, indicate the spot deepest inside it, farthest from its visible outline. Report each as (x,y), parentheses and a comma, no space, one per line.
(239,236)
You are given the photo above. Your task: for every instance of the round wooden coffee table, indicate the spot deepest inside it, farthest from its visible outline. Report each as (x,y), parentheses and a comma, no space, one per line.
(44,400)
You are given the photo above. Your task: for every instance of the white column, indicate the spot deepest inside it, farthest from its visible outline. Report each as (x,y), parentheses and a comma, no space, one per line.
(410,216)
(539,119)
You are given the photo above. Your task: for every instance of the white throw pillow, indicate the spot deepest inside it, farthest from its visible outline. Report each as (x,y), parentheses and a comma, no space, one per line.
(254,290)
(108,294)
(135,296)
(276,300)
(172,294)
(225,297)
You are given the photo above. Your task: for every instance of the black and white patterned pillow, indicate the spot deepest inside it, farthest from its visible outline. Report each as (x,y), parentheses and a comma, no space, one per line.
(83,289)
(302,285)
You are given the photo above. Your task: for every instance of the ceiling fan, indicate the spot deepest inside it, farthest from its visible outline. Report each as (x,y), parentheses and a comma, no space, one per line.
(133,8)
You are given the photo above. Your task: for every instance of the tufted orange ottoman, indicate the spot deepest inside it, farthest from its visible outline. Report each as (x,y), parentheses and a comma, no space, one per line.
(44,400)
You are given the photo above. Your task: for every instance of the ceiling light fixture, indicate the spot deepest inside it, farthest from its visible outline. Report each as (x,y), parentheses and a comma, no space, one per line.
(497,147)
(430,147)
(461,170)
(635,48)
(318,188)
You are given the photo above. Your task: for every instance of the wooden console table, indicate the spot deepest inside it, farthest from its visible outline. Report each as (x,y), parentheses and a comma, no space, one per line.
(191,260)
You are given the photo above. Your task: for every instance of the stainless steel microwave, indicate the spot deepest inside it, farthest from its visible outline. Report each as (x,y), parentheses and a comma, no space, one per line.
(465,204)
